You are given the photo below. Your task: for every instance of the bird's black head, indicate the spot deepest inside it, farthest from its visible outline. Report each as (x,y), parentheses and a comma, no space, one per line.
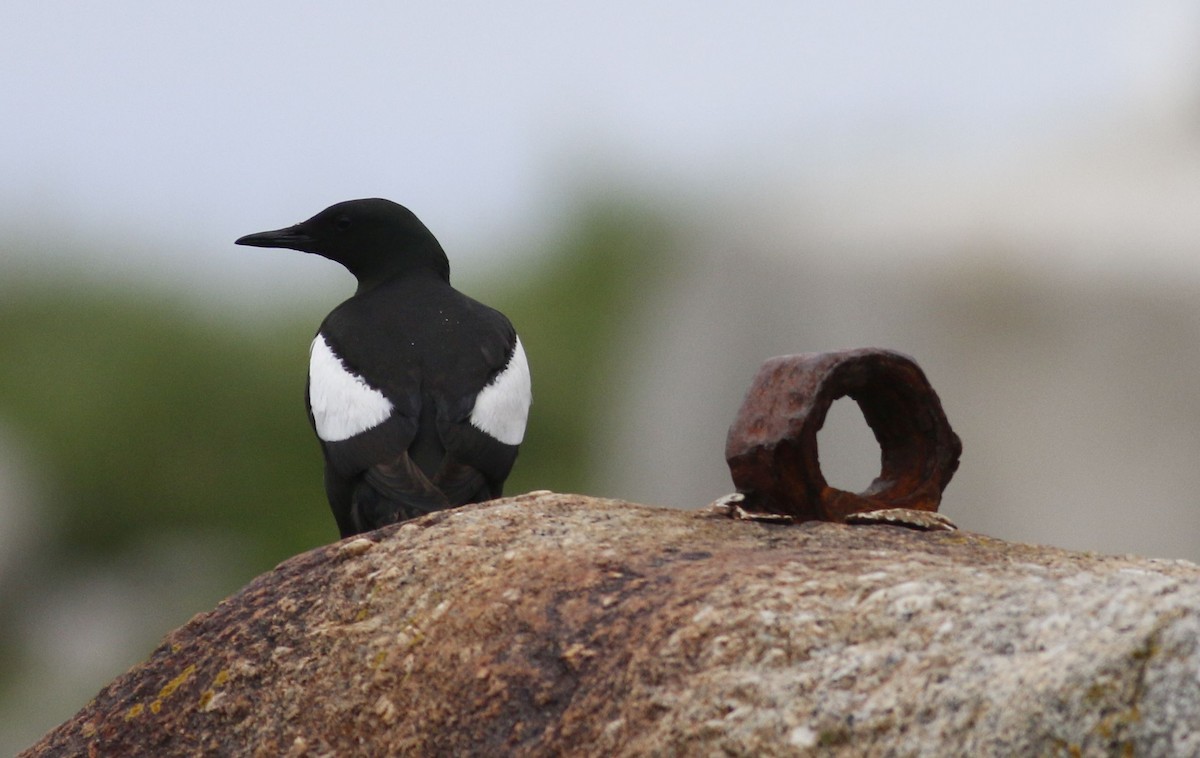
(374,239)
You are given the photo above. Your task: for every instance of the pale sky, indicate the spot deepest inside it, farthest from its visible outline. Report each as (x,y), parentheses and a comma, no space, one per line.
(190,124)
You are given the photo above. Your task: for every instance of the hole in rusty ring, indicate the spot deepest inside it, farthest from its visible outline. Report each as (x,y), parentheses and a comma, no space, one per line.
(848,453)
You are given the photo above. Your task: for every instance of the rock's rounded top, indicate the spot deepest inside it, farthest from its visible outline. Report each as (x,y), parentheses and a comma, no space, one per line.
(550,623)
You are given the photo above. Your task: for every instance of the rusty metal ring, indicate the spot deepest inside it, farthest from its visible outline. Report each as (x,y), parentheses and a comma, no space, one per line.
(772,445)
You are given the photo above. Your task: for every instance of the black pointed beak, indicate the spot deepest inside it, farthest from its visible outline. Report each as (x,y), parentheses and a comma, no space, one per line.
(293,237)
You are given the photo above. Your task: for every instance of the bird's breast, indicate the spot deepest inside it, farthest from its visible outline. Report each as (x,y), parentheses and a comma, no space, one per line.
(343,404)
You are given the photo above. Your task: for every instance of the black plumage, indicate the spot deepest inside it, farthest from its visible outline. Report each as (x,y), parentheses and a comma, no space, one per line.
(417,393)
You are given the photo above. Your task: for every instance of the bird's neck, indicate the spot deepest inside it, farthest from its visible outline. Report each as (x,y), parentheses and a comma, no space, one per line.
(413,258)
(369,280)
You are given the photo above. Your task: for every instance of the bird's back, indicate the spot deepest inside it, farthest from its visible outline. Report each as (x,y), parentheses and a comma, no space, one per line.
(429,351)
(421,335)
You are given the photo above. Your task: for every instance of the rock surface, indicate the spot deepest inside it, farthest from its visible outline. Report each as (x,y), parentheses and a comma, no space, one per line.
(561,624)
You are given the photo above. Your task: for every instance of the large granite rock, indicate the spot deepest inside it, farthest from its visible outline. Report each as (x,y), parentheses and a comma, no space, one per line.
(561,624)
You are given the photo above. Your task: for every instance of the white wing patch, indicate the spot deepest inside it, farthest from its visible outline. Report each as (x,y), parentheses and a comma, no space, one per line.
(343,404)
(502,407)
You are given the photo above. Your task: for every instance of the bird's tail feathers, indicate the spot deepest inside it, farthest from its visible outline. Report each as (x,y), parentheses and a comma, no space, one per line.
(394,492)
(462,483)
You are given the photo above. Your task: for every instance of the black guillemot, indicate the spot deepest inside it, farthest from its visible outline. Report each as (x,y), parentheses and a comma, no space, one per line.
(418,394)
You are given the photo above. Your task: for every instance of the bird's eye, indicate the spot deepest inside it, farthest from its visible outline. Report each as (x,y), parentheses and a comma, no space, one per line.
(342,223)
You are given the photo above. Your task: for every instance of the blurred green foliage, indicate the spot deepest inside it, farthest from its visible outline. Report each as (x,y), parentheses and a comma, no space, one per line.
(145,417)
